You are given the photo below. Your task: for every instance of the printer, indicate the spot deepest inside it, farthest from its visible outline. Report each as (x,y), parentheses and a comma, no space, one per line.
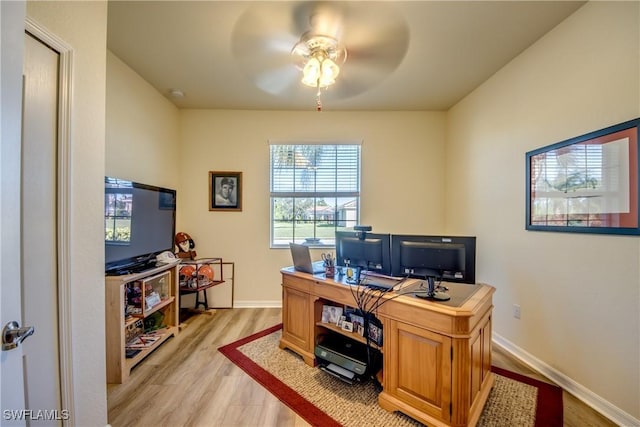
(346,358)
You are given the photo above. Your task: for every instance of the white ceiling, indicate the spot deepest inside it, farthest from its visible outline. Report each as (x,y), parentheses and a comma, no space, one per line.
(453,46)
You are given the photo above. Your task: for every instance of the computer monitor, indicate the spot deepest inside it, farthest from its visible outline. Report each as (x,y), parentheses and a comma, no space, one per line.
(434,258)
(368,251)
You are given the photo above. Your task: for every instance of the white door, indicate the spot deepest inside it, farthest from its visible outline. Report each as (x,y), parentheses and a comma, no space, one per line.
(39,224)
(30,372)
(12,15)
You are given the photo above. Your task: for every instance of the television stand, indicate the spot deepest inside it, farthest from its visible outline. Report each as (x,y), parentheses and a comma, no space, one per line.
(141,313)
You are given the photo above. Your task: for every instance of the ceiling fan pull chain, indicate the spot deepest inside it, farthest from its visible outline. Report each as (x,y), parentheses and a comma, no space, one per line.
(318,100)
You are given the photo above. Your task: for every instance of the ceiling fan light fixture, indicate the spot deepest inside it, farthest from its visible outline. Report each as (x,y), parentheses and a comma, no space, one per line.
(320,71)
(329,72)
(320,55)
(311,72)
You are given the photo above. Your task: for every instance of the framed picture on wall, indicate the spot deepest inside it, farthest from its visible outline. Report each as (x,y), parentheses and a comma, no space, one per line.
(225,191)
(586,184)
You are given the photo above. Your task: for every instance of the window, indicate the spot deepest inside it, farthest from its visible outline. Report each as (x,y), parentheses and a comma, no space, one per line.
(315,190)
(118,206)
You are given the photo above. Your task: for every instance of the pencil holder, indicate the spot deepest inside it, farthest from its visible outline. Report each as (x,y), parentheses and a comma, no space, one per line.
(330,271)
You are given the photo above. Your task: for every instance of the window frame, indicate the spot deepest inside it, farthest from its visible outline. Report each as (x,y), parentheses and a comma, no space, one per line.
(273,195)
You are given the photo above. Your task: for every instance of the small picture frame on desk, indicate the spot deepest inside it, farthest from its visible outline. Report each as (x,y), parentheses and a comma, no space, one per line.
(331,314)
(375,334)
(358,323)
(347,326)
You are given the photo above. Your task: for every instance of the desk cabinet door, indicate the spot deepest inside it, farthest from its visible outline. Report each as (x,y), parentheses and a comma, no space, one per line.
(480,356)
(295,318)
(417,368)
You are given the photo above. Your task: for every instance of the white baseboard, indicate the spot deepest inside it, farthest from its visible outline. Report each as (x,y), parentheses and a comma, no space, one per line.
(257,304)
(599,404)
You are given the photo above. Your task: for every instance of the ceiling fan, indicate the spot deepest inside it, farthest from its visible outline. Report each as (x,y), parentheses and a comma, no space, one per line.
(339,49)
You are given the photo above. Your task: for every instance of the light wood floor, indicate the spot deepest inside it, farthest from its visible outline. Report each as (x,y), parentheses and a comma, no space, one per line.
(187,382)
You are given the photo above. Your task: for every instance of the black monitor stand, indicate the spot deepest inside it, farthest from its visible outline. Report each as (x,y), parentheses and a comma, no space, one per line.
(431,292)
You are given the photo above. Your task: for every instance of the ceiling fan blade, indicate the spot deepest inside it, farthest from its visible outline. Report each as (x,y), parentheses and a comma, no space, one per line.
(377,40)
(279,81)
(321,18)
(374,33)
(378,31)
(261,43)
(264,19)
(384,52)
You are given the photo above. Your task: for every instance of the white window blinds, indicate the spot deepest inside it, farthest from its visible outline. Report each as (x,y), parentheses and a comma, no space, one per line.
(315,190)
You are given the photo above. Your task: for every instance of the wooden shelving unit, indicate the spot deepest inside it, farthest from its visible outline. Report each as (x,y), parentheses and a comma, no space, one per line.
(120,317)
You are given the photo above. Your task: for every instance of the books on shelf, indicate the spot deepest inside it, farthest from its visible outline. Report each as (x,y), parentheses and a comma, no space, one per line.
(145,340)
(141,342)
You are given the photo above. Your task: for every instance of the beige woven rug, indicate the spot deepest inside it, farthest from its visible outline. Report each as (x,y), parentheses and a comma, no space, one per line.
(510,403)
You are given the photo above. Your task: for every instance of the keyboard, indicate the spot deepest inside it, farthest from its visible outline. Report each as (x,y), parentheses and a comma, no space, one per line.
(317,267)
(379,283)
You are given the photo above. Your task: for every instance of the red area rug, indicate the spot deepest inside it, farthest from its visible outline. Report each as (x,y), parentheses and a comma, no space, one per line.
(548,398)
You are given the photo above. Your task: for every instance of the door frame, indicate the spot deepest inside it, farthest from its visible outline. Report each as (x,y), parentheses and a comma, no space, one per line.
(63,207)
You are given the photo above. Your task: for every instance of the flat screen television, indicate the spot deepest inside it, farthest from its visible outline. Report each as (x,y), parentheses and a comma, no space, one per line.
(139,224)
(452,259)
(368,251)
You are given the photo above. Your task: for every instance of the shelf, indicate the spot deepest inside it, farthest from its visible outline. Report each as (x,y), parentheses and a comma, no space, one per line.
(206,285)
(201,261)
(352,335)
(131,362)
(194,280)
(165,302)
(130,320)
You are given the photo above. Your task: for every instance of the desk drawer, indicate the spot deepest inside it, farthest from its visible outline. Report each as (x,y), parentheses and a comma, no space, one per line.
(298,283)
(334,292)
(419,316)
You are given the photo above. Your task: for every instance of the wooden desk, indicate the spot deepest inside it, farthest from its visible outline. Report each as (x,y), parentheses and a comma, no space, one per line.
(436,355)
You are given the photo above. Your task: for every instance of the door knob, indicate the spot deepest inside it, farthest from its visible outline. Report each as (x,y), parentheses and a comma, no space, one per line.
(13,335)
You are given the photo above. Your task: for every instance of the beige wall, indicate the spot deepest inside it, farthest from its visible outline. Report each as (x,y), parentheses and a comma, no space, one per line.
(142,142)
(579,294)
(83,26)
(402,163)
(142,129)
